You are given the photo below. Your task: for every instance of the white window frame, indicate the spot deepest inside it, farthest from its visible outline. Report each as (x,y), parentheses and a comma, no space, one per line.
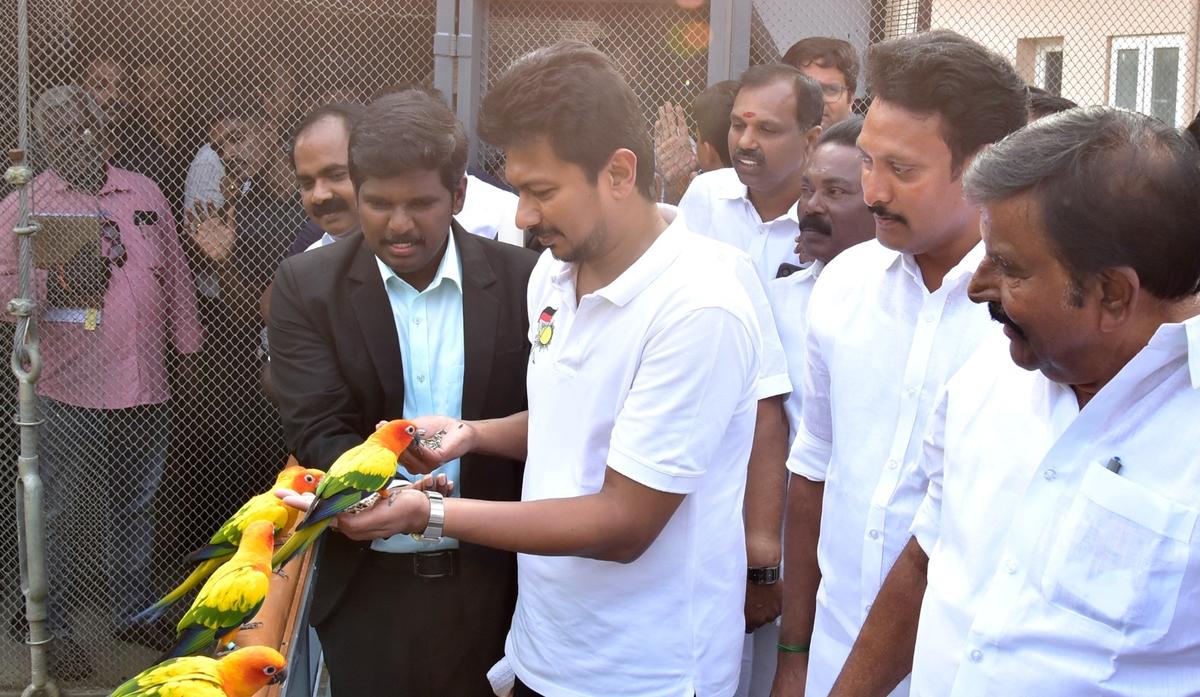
(1145,46)
(1045,46)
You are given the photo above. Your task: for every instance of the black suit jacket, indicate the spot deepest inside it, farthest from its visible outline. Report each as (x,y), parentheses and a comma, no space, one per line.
(336,365)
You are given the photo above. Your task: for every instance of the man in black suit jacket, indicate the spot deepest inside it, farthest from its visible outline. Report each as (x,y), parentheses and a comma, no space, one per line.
(428,623)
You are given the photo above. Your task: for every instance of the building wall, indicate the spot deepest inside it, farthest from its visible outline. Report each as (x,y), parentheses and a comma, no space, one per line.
(1086,28)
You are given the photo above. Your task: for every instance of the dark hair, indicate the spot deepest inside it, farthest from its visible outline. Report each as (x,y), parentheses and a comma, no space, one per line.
(711,111)
(809,100)
(826,52)
(1193,129)
(349,114)
(1042,103)
(1115,188)
(404,132)
(844,132)
(977,94)
(570,94)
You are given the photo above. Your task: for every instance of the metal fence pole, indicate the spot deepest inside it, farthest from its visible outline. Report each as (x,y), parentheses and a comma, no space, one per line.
(27,365)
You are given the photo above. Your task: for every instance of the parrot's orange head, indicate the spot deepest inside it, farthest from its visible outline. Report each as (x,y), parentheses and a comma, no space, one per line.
(301,480)
(396,435)
(259,533)
(247,670)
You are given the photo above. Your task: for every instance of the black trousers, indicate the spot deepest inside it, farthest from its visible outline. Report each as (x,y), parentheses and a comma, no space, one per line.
(394,634)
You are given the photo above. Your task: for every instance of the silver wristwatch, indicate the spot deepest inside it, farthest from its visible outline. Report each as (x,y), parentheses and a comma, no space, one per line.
(437,519)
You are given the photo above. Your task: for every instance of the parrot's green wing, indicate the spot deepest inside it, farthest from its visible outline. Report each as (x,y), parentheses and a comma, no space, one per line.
(191,676)
(367,467)
(230,597)
(265,506)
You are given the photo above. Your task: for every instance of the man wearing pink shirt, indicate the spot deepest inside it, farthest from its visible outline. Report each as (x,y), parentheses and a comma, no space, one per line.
(105,320)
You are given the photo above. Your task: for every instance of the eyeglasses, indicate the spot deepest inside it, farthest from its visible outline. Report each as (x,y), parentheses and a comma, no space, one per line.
(832,92)
(115,249)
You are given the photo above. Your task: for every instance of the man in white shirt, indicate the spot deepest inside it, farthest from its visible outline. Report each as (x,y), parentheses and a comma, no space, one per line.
(889,322)
(321,162)
(774,121)
(642,404)
(833,218)
(1059,537)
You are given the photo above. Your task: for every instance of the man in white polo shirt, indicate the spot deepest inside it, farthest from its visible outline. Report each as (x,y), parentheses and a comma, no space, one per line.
(888,322)
(642,388)
(1059,536)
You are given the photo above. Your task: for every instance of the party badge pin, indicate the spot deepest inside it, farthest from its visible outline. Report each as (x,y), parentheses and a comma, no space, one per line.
(545,332)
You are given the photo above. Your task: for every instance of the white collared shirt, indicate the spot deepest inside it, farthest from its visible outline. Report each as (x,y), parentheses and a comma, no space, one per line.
(325,240)
(717,204)
(429,326)
(789,305)
(773,372)
(491,212)
(653,376)
(880,347)
(1049,574)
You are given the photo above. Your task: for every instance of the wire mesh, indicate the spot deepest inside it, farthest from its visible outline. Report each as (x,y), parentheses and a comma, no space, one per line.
(152,440)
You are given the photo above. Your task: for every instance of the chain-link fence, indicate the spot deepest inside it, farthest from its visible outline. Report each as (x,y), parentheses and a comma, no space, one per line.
(152,435)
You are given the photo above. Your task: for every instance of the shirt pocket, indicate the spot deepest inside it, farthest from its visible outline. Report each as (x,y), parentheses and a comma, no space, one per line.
(1121,555)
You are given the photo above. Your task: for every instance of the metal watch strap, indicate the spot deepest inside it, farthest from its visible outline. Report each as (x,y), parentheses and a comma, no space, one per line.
(763,575)
(437,518)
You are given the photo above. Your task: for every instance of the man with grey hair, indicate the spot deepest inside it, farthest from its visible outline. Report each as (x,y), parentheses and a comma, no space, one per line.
(1057,549)
(113,288)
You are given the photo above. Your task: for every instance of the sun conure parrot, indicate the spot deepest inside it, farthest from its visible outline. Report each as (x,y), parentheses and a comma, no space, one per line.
(231,596)
(239,673)
(223,543)
(359,472)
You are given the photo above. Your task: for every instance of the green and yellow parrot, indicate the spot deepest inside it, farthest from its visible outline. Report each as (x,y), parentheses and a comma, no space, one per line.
(239,673)
(222,545)
(359,472)
(231,596)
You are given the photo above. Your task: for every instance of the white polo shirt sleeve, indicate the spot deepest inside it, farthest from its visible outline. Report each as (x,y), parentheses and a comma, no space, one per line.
(927,523)
(773,377)
(813,446)
(690,381)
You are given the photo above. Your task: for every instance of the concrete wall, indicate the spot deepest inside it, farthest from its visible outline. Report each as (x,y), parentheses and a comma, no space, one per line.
(1086,28)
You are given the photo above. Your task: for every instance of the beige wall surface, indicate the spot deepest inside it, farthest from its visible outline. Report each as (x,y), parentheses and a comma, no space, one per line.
(1086,28)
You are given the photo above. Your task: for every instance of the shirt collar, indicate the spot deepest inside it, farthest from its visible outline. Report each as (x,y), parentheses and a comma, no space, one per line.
(449,270)
(964,268)
(115,181)
(637,277)
(730,186)
(1169,337)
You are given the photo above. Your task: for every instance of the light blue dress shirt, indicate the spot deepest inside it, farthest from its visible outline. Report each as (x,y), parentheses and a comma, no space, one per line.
(429,325)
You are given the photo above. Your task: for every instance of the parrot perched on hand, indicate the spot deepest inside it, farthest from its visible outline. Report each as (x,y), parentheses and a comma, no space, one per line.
(231,596)
(359,472)
(239,673)
(222,545)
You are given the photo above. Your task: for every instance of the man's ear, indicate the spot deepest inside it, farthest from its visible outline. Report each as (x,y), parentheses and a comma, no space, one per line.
(459,196)
(1119,289)
(708,157)
(811,138)
(620,176)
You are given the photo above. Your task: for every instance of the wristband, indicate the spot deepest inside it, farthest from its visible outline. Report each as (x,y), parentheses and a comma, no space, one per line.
(792,648)
(763,575)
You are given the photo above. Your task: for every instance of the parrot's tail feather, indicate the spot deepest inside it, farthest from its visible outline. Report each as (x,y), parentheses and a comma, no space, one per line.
(297,543)
(198,575)
(324,509)
(223,550)
(193,641)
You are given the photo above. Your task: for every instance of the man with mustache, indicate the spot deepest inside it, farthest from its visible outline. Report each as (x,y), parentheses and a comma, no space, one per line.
(834,217)
(888,322)
(1057,549)
(410,315)
(774,121)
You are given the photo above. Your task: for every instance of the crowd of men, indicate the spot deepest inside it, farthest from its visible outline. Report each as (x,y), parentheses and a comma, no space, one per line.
(886,404)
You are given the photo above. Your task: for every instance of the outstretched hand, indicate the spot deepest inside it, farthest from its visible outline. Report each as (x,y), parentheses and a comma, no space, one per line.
(440,440)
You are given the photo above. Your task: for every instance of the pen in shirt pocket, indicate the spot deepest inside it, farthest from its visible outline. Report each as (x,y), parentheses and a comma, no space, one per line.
(1113,465)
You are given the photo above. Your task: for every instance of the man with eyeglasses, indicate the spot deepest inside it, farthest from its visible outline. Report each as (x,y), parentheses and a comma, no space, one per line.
(112,289)
(833,63)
